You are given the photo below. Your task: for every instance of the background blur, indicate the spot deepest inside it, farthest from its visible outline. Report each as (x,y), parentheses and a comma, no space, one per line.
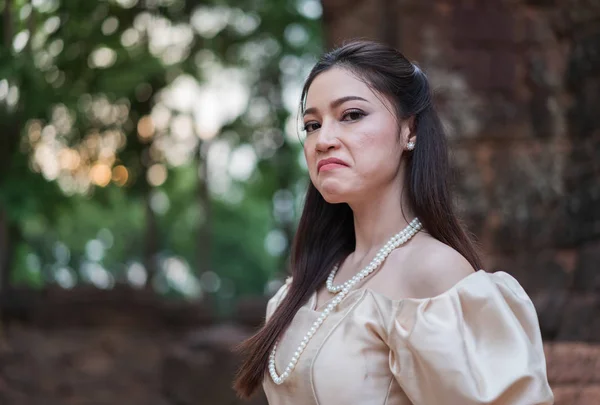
(151,177)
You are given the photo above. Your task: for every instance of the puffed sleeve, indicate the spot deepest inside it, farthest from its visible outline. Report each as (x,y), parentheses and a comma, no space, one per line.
(274,301)
(478,343)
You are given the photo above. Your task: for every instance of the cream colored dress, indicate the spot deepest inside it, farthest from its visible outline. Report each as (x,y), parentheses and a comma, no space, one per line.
(477,343)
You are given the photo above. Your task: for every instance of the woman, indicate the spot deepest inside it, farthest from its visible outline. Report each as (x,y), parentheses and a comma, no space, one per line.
(385,305)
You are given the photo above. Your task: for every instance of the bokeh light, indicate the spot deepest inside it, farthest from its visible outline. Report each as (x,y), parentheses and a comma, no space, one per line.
(136,274)
(120,175)
(156,175)
(100,174)
(145,128)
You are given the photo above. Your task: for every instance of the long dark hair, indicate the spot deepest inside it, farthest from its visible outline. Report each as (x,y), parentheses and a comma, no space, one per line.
(325,233)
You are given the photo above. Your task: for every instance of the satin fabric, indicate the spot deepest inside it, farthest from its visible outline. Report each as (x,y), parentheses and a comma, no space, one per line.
(477,343)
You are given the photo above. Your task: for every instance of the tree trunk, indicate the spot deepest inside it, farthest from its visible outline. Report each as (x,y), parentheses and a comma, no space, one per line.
(5,252)
(7,22)
(9,140)
(203,252)
(151,244)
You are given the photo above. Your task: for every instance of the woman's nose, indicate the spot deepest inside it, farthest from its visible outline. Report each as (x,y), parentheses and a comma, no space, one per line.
(327,138)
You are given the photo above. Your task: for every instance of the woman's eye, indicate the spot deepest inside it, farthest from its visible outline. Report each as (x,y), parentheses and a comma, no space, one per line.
(349,116)
(311,126)
(353,115)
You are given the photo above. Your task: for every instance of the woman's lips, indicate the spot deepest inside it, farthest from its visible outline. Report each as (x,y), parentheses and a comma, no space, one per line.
(330,166)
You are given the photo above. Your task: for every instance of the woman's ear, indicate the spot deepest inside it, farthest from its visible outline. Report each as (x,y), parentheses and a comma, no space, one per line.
(411,124)
(408,133)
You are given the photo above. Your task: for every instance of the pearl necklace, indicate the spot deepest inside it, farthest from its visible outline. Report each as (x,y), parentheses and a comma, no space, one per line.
(342,291)
(403,236)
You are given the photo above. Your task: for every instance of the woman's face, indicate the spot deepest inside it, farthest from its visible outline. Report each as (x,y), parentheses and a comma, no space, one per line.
(347,122)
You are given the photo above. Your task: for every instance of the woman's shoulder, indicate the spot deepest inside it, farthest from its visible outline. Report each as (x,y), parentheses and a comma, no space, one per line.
(426,268)
(435,268)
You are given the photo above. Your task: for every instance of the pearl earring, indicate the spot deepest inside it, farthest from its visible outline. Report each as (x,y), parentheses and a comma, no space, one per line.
(410,145)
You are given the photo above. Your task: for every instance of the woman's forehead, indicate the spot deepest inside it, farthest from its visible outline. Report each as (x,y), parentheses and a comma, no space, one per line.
(337,83)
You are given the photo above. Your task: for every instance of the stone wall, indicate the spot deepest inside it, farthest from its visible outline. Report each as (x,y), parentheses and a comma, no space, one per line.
(123,346)
(518,86)
(574,373)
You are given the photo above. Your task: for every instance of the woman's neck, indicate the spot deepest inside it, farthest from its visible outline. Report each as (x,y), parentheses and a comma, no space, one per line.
(377,218)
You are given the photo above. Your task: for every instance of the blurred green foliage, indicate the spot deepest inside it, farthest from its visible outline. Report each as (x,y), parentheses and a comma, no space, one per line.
(92,190)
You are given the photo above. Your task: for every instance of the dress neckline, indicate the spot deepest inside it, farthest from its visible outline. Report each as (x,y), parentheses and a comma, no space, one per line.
(312,301)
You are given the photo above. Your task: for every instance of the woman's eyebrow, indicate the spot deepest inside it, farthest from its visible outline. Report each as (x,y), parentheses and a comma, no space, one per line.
(335,103)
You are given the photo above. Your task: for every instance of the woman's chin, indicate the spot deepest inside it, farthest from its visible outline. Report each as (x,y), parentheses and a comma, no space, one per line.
(333,200)
(334,195)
